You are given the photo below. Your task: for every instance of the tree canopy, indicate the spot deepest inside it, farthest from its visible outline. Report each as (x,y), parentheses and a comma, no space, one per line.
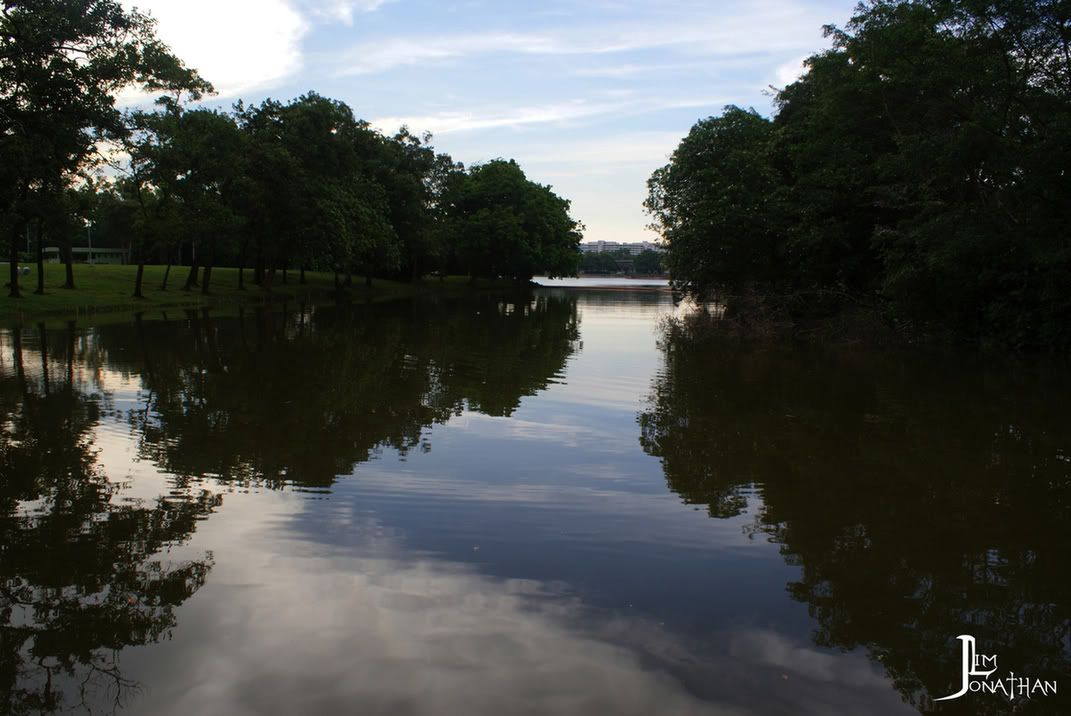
(62,63)
(503,224)
(920,161)
(279,185)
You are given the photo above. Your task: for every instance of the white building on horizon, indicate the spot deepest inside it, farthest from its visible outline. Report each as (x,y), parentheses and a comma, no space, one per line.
(605,247)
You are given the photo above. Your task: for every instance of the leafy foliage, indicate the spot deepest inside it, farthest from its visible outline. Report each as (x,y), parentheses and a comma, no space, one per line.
(505,225)
(920,161)
(61,65)
(303,184)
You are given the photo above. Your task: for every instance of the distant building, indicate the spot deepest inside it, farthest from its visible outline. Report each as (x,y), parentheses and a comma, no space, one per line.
(606,247)
(83,255)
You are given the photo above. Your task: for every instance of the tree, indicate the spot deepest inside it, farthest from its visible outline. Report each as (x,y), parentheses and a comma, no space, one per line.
(978,98)
(649,262)
(407,175)
(599,262)
(917,166)
(713,205)
(375,243)
(316,190)
(503,225)
(61,64)
(272,192)
(195,157)
(324,140)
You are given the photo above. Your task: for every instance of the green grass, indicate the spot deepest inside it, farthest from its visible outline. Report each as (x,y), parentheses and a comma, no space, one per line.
(106,288)
(104,292)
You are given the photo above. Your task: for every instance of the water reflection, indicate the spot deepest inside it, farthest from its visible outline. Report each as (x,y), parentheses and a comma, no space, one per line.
(276,397)
(921,496)
(387,634)
(83,572)
(533,560)
(299,397)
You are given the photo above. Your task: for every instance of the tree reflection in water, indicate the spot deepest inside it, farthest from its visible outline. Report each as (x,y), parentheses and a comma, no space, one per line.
(272,398)
(293,397)
(922,497)
(82,573)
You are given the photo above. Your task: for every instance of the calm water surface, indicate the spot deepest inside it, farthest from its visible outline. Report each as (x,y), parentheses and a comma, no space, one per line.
(555,503)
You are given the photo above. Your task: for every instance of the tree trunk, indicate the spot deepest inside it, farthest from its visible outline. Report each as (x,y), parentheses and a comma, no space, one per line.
(241,326)
(368,280)
(301,269)
(258,268)
(241,265)
(284,274)
(68,259)
(40,262)
(191,277)
(13,291)
(138,277)
(167,272)
(208,267)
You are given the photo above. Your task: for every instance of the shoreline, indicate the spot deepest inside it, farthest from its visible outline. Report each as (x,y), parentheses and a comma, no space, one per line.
(105,290)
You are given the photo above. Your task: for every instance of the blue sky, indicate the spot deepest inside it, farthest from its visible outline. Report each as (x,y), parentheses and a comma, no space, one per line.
(590,97)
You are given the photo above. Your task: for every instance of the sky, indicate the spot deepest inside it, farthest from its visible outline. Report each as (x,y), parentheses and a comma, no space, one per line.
(589,97)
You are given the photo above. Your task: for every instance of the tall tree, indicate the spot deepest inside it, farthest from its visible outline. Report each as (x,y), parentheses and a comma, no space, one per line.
(918,163)
(504,225)
(408,173)
(713,205)
(192,161)
(61,64)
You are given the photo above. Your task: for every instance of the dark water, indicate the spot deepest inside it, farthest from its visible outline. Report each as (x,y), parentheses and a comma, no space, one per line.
(554,503)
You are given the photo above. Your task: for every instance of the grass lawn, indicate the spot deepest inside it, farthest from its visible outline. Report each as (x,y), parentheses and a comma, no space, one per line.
(107,288)
(103,288)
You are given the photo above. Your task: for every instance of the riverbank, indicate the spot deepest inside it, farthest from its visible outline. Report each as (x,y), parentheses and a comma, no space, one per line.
(631,276)
(106,289)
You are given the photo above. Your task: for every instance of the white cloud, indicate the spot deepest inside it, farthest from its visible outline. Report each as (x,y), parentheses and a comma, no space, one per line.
(382,55)
(791,71)
(237,45)
(765,27)
(635,70)
(341,10)
(448,122)
(244,45)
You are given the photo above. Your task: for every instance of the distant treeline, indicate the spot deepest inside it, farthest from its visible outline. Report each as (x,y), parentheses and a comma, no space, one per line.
(299,185)
(921,166)
(607,262)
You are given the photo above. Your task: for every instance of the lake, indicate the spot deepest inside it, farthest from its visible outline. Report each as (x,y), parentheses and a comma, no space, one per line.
(571,500)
